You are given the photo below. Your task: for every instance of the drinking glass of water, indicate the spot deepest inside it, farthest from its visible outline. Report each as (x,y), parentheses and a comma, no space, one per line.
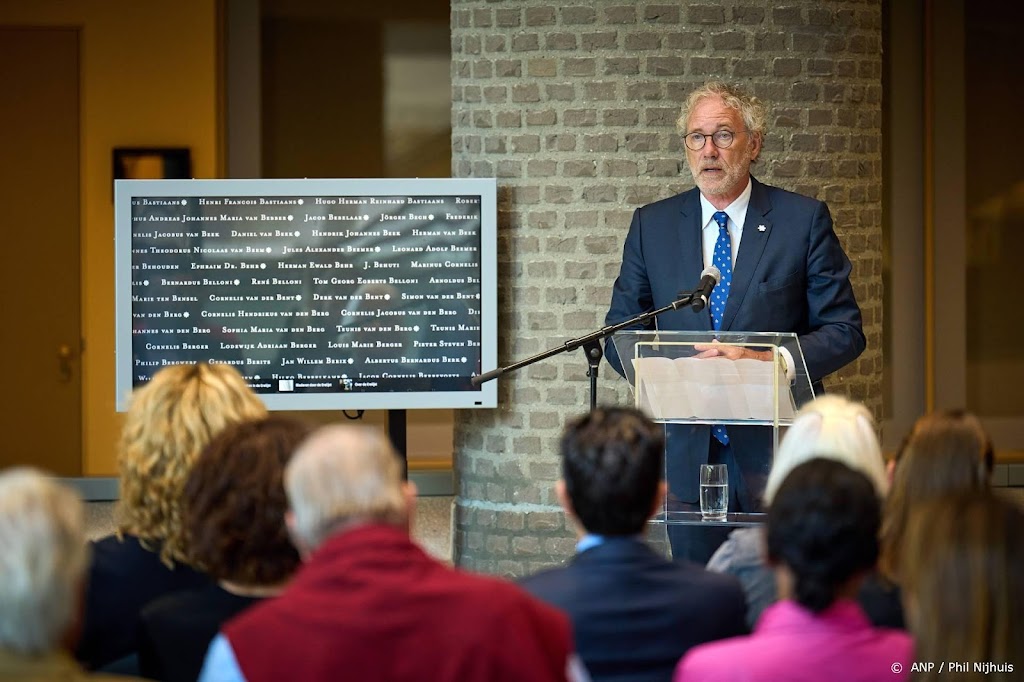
(714,491)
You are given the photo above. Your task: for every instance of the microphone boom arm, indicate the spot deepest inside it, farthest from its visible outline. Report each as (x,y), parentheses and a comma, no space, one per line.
(589,340)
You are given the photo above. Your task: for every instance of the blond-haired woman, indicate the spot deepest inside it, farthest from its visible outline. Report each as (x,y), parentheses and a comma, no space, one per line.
(168,423)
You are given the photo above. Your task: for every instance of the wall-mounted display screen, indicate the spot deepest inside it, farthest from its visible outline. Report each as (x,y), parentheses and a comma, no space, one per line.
(324,294)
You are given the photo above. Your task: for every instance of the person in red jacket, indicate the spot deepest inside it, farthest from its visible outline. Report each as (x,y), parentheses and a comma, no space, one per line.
(368,603)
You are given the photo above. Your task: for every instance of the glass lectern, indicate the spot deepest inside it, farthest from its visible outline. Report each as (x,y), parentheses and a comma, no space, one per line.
(674,382)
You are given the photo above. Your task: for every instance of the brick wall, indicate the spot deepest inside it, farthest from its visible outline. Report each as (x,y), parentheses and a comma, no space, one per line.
(572,107)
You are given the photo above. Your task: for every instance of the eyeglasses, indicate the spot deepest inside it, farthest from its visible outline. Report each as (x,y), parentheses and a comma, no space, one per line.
(721,139)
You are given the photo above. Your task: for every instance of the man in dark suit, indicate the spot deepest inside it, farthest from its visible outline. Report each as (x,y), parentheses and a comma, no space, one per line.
(791,275)
(634,613)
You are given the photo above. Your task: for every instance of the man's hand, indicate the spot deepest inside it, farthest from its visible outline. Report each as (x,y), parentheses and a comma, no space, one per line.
(724,350)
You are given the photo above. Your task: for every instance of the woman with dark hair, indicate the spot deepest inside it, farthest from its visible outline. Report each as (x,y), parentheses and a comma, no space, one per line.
(964,587)
(233,517)
(822,536)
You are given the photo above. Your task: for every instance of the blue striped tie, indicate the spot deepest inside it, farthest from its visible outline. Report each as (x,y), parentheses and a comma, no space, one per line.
(722,260)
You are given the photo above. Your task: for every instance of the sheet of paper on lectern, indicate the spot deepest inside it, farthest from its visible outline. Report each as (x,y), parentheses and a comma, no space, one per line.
(717,389)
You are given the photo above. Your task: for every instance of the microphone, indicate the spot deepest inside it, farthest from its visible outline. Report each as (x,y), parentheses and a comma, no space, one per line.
(709,279)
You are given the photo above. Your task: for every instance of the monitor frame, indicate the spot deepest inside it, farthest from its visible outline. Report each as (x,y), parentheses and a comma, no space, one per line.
(483,396)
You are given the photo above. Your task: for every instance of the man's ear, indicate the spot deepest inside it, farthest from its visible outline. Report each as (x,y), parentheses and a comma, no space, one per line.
(755,146)
(300,546)
(409,492)
(563,497)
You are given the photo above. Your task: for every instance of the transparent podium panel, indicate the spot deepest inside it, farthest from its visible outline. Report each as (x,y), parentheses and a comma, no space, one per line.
(693,382)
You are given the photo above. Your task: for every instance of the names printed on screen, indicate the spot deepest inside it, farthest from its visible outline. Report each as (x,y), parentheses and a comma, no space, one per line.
(310,293)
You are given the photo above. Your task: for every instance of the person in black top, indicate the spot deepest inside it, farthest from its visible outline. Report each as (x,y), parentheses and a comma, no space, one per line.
(168,422)
(233,517)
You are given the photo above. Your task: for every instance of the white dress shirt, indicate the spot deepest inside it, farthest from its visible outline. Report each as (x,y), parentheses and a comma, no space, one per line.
(737,212)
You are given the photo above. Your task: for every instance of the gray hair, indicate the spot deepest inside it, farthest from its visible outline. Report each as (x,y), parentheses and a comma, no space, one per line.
(835,428)
(750,107)
(343,474)
(43,558)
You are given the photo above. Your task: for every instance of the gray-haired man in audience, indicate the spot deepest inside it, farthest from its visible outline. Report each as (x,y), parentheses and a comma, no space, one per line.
(42,566)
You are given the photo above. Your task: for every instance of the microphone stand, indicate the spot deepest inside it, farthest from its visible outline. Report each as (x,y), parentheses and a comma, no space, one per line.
(591,346)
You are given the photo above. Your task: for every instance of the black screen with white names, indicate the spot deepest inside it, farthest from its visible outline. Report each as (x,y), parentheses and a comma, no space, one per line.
(310,294)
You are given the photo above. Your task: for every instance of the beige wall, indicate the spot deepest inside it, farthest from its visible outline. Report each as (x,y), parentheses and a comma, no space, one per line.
(148,79)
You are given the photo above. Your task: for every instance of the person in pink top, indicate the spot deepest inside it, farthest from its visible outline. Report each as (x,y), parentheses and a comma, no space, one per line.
(822,534)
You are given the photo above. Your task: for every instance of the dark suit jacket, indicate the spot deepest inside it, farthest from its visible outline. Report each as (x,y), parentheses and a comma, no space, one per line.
(175,631)
(791,277)
(634,613)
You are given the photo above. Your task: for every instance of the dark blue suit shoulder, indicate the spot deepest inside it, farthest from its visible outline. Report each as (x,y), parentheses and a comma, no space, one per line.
(669,207)
(791,202)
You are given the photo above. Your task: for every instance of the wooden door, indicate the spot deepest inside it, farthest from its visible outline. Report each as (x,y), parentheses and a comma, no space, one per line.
(41,413)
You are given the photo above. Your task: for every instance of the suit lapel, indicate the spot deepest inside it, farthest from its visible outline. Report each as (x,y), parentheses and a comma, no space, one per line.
(690,247)
(757,227)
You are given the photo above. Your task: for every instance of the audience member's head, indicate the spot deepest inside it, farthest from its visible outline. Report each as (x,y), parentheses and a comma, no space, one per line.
(234,503)
(43,555)
(830,427)
(822,532)
(169,421)
(342,476)
(612,466)
(962,579)
(946,436)
(947,453)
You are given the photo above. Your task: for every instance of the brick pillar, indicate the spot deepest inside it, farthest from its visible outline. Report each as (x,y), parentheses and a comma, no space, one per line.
(572,107)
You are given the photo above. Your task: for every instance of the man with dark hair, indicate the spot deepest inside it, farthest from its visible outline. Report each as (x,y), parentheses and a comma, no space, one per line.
(822,540)
(634,613)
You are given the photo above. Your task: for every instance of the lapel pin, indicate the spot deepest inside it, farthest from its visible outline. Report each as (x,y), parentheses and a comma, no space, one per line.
(761,228)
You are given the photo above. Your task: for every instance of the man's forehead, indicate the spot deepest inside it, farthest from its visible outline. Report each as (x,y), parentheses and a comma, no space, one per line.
(715,112)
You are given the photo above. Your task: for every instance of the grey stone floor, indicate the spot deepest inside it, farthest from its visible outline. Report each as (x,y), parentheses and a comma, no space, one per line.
(432,523)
